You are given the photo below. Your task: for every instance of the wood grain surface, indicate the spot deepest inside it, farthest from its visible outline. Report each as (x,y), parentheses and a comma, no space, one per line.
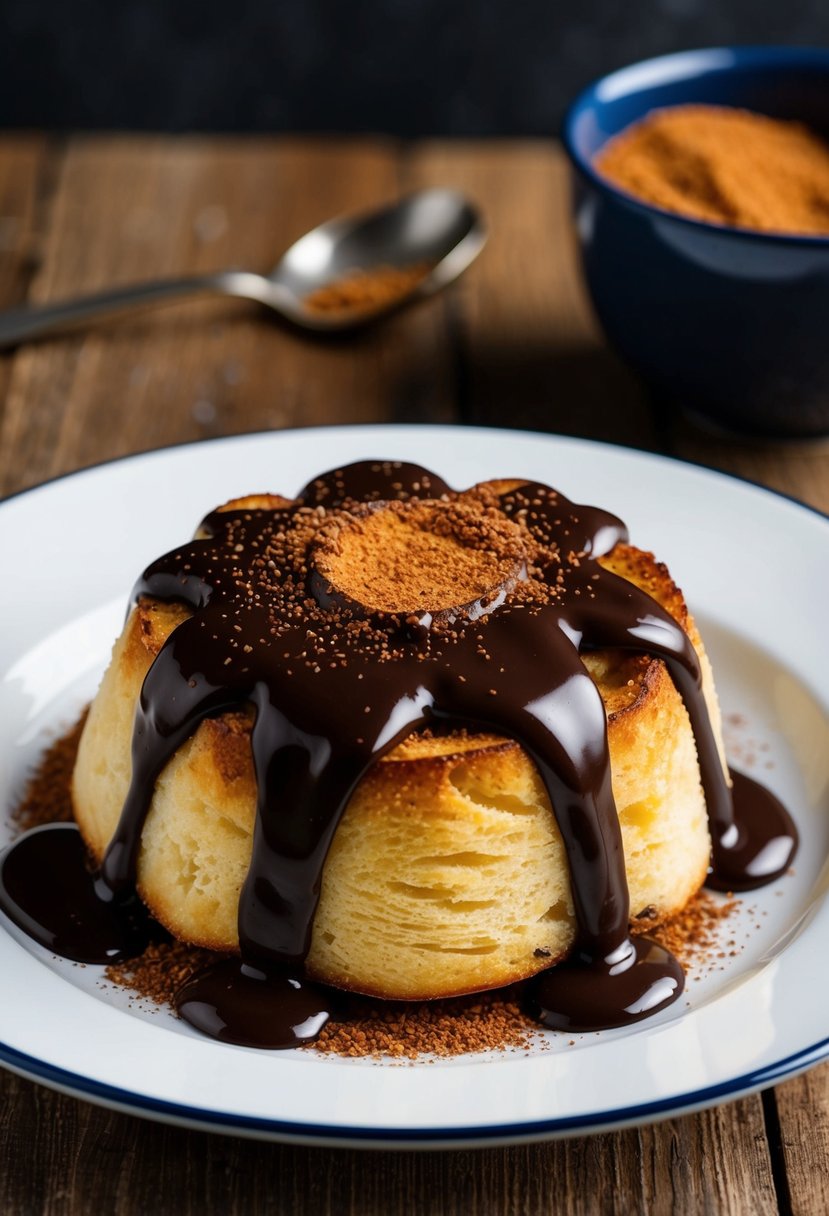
(513,344)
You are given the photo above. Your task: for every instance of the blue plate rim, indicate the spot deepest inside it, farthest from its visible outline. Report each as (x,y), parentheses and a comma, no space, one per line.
(209,1120)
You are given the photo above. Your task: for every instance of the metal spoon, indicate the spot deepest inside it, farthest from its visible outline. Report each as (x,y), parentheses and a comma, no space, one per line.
(436,229)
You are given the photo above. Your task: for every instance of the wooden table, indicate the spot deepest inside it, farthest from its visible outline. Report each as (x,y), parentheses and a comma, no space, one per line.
(512,344)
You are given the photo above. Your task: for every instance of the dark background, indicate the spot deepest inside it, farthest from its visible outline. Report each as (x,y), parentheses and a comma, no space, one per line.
(406,67)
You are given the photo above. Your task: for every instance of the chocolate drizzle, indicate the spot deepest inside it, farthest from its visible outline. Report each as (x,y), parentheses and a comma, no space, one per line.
(336,683)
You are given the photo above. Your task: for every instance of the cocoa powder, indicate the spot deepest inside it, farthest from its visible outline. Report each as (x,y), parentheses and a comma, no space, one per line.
(488,1021)
(726,166)
(47,797)
(366,291)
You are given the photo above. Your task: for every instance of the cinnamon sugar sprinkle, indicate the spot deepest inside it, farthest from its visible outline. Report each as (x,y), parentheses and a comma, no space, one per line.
(366,291)
(47,797)
(488,1021)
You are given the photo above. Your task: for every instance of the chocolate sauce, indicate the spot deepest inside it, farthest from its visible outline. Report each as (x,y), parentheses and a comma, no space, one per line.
(51,892)
(763,842)
(327,709)
(373,481)
(640,977)
(237,1002)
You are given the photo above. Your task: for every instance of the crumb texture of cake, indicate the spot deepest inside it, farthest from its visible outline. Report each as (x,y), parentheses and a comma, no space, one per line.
(447,873)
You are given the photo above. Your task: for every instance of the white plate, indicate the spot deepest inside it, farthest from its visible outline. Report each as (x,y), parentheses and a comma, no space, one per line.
(754,567)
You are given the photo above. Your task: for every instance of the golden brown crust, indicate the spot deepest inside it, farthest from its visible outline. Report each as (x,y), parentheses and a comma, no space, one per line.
(257,502)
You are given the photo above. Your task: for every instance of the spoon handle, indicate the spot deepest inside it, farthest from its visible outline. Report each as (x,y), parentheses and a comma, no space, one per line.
(41,320)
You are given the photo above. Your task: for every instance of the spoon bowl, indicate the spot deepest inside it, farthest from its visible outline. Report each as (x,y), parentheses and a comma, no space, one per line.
(428,238)
(438,230)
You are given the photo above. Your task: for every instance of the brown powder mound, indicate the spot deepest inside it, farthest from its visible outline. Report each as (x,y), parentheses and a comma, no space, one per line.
(409,558)
(693,936)
(366,291)
(725,165)
(488,1021)
(46,798)
(158,973)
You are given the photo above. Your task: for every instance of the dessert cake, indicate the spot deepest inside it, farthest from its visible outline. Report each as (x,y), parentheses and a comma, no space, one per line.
(399,739)
(447,872)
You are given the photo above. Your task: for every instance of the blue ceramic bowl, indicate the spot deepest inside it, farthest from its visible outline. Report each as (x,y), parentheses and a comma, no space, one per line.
(730,324)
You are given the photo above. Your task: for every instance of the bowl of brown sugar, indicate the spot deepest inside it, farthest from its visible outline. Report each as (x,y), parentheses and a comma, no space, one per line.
(702,211)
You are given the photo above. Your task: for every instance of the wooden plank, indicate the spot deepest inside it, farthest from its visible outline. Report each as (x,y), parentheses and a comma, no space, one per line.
(532,354)
(25,164)
(127,209)
(77,1158)
(803,1112)
(28,164)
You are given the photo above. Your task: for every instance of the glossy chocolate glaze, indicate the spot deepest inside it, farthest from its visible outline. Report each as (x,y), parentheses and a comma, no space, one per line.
(319,725)
(761,844)
(237,1002)
(49,890)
